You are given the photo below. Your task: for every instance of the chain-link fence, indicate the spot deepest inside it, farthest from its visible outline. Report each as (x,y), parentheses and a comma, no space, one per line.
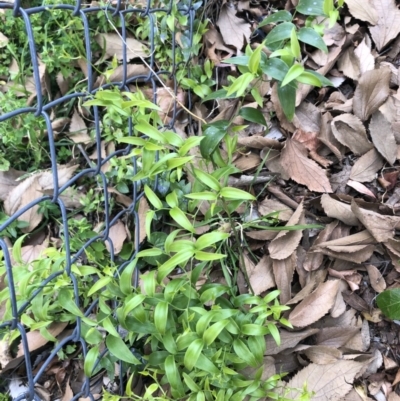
(32,364)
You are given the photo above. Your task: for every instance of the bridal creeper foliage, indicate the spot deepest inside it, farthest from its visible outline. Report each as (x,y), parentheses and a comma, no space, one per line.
(191,338)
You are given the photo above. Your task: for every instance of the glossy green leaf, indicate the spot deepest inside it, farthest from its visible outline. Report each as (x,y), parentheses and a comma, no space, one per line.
(211,196)
(287,98)
(192,353)
(99,284)
(295,45)
(235,193)
(311,7)
(254,330)
(172,199)
(239,60)
(152,132)
(131,303)
(257,347)
(209,239)
(65,299)
(90,360)
(161,316)
(207,179)
(208,256)
(255,58)
(280,16)
(252,115)
(324,81)
(312,38)
(279,33)
(189,143)
(240,84)
(125,282)
(275,68)
(213,331)
(149,282)
(219,94)
(173,376)
(274,333)
(152,197)
(243,352)
(308,79)
(181,219)
(173,263)
(110,326)
(294,71)
(389,303)
(149,252)
(213,134)
(190,383)
(206,365)
(119,349)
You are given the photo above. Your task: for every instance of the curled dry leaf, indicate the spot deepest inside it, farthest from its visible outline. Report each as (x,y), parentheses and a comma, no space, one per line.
(382,136)
(307,118)
(366,167)
(375,278)
(112,44)
(381,227)
(388,24)
(261,277)
(363,10)
(141,219)
(363,52)
(338,210)
(303,170)
(269,205)
(349,64)
(8,181)
(235,31)
(350,131)
(286,242)
(328,382)
(78,131)
(371,92)
(316,305)
(283,272)
(361,188)
(31,189)
(289,339)
(132,70)
(117,234)
(259,142)
(322,355)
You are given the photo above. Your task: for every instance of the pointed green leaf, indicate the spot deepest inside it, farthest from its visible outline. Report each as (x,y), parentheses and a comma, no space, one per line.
(213,331)
(119,349)
(152,197)
(235,193)
(161,316)
(275,68)
(311,7)
(287,98)
(252,115)
(192,353)
(280,16)
(312,38)
(279,33)
(90,360)
(172,263)
(294,71)
(181,219)
(207,179)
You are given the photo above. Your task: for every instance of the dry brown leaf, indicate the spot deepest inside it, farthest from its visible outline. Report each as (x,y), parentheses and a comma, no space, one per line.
(388,25)
(328,382)
(307,117)
(289,339)
(336,336)
(141,219)
(269,205)
(214,42)
(381,227)
(112,44)
(322,355)
(273,163)
(361,188)
(286,242)
(261,277)
(132,70)
(339,306)
(366,167)
(78,131)
(68,393)
(363,52)
(375,278)
(350,131)
(382,136)
(117,234)
(283,273)
(349,64)
(327,138)
(262,235)
(313,260)
(363,10)
(371,92)
(303,170)
(316,305)
(235,31)
(8,181)
(36,340)
(351,277)
(338,210)
(259,142)
(247,162)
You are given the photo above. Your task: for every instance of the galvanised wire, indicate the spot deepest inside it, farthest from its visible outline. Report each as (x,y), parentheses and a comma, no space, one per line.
(116,9)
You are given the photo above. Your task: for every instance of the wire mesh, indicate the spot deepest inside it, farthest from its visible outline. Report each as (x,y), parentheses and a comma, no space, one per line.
(117,14)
